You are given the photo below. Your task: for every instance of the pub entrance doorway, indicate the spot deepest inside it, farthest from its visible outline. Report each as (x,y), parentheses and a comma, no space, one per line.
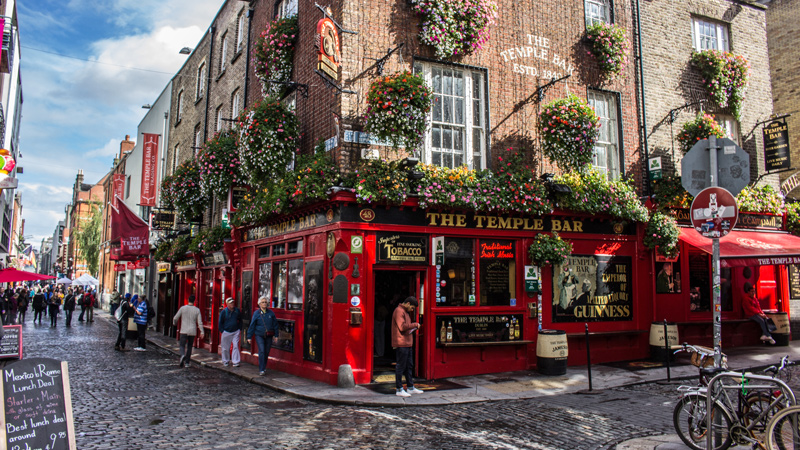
(392,287)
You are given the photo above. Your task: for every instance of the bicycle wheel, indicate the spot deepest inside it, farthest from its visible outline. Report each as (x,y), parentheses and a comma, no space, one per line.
(783,432)
(689,420)
(754,410)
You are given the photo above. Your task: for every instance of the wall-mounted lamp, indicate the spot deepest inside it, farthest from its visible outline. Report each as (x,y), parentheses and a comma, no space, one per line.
(185,51)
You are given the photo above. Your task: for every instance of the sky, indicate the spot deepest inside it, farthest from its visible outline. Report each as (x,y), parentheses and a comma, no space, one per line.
(87,67)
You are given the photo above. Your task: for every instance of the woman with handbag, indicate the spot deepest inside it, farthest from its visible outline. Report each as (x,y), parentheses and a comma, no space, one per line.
(752,309)
(264,326)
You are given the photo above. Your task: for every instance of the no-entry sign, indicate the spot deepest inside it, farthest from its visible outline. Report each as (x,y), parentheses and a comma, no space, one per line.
(714,212)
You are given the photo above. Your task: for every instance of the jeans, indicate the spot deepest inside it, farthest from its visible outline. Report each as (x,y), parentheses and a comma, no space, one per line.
(142,329)
(186,347)
(123,330)
(90,314)
(83,311)
(37,313)
(113,308)
(230,339)
(762,322)
(53,315)
(21,317)
(405,366)
(264,346)
(68,315)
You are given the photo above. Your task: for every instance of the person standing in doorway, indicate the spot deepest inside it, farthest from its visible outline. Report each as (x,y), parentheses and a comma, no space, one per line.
(140,319)
(264,326)
(402,342)
(230,324)
(189,316)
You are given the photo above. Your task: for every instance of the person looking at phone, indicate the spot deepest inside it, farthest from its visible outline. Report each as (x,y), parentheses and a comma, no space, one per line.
(402,342)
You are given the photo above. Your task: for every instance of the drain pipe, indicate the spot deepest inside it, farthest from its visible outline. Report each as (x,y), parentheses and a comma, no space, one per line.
(643,126)
(247,58)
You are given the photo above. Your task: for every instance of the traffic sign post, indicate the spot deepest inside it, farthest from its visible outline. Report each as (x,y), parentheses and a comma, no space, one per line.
(714,212)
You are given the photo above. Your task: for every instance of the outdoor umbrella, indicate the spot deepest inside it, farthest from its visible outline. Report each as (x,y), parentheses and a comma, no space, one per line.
(64,281)
(11,275)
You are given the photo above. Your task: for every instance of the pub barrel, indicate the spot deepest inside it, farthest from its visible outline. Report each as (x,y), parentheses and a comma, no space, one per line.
(782,333)
(551,352)
(657,350)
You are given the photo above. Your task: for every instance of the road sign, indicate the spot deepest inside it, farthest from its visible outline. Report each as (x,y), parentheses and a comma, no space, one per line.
(714,212)
(733,165)
(654,166)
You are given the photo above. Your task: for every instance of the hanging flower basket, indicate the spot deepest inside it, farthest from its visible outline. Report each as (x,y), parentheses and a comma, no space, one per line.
(379,181)
(760,199)
(273,55)
(725,77)
(593,193)
(209,240)
(189,199)
(610,45)
(219,164)
(668,192)
(455,27)
(569,128)
(549,250)
(793,218)
(698,129)
(662,233)
(397,109)
(267,141)
(167,193)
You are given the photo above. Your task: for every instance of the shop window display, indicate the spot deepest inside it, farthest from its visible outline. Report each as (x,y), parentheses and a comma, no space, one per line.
(279,284)
(295,285)
(699,282)
(668,278)
(458,273)
(497,273)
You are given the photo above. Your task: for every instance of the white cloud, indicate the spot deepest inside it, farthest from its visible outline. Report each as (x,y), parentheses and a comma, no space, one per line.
(108,151)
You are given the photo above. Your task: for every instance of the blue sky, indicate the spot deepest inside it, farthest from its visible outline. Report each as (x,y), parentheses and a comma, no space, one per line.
(82,90)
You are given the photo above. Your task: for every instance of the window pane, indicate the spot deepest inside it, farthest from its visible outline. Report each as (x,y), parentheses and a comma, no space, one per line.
(447,82)
(458,273)
(437,158)
(263,252)
(447,107)
(437,80)
(279,285)
(458,84)
(458,160)
(497,272)
(458,141)
(436,137)
(459,111)
(437,108)
(264,280)
(278,250)
(295,291)
(447,160)
(295,247)
(447,141)
(477,117)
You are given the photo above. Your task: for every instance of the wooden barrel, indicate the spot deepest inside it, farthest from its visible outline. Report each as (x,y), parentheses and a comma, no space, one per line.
(781,335)
(657,350)
(551,352)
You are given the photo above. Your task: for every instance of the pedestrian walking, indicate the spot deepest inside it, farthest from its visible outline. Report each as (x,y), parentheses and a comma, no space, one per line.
(402,342)
(122,313)
(189,315)
(39,305)
(230,324)
(52,309)
(264,326)
(89,299)
(22,306)
(140,319)
(116,299)
(69,307)
(80,297)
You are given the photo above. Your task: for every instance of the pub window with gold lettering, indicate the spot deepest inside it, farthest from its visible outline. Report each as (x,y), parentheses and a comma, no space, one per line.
(497,270)
(593,288)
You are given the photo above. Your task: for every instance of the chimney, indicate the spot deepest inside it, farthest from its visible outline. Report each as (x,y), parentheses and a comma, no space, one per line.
(79,180)
(126,146)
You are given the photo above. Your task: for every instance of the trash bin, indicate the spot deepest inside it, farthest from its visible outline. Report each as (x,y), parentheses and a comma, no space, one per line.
(657,350)
(552,352)
(782,333)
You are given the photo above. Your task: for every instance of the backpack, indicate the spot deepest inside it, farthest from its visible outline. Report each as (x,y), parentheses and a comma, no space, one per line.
(150,312)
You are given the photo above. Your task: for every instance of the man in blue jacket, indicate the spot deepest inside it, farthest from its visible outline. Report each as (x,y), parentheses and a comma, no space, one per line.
(264,326)
(230,324)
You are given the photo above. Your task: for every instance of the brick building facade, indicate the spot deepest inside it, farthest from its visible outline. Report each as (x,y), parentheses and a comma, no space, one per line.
(671,32)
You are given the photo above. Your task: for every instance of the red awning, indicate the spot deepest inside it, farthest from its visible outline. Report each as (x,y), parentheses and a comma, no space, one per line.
(749,248)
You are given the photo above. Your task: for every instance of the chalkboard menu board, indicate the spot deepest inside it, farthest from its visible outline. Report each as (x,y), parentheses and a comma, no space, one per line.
(37,406)
(794,282)
(11,344)
(478,328)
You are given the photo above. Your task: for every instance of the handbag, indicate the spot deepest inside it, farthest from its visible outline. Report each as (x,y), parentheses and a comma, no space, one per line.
(269,333)
(771,325)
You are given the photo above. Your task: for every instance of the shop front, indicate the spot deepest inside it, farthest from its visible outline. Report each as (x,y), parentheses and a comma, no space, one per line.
(215,286)
(335,274)
(185,277)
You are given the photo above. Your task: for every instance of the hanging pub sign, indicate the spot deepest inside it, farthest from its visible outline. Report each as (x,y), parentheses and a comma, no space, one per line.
(593,288)
(329,48)
(120,267)
(794,282)
(395,248)
(162,219)
(776,146)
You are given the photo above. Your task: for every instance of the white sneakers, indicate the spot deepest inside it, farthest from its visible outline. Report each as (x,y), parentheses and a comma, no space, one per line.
(140,349)
(407,393)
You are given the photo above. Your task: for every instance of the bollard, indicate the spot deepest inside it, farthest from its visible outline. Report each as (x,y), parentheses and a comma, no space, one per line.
(667,348)
(346,379)
(588,357)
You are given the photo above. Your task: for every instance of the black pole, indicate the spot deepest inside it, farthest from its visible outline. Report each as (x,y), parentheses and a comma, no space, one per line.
(666,347)
(588,357)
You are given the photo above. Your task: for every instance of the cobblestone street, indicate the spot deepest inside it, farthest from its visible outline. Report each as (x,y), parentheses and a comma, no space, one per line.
(143,400)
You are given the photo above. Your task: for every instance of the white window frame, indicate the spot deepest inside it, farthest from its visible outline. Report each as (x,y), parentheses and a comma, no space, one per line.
(176,158)
(702,38)
(474,139)
(597,11)
(198,138)
(219,119)
(223,53)
(201,77)
(286,8)
(180,106)
(607,149)
(240,32)
(235,104)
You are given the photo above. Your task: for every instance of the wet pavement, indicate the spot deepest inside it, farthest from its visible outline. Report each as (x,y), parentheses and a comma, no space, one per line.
(143,400)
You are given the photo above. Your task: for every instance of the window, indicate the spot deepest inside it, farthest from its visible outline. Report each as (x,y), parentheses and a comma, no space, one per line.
(597,11)
(497,272)
(458,126)
(223,56)
(175,158)
(201,84)
(606,149)
(235,104)
(127,186)
(290,101)
(708,35)
(458,272)
(240,32)
(198,139)
(282,280)
(730,126)
(286,8)
(179,107)
(219,118)
(668,278)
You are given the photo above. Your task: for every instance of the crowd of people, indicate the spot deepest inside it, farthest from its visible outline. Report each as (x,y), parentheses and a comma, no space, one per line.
(47,301)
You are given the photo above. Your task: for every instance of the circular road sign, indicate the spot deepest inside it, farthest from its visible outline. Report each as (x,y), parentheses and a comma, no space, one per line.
(714,212)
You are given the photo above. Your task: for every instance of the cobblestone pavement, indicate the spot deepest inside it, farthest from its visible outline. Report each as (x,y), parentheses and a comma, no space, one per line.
(143,400)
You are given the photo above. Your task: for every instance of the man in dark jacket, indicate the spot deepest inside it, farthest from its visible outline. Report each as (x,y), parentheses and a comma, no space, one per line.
(230,324)
(69,307)
(122,322)
(39,304)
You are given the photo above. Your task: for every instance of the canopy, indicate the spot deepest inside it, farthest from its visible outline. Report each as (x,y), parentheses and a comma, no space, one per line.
(749,248)
(86,280)
(11,275)
(64,281)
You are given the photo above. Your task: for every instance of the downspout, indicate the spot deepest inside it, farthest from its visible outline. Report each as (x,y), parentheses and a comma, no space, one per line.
(643,126)
(247,58)
(208,82)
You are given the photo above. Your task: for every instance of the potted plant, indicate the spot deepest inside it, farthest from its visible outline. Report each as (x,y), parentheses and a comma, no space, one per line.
(610,45)
(219,164)
(700,128)
(267,141)
(455,27)
(397,109)
(549,250)
(273,55)
(569,128)
(725,77)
